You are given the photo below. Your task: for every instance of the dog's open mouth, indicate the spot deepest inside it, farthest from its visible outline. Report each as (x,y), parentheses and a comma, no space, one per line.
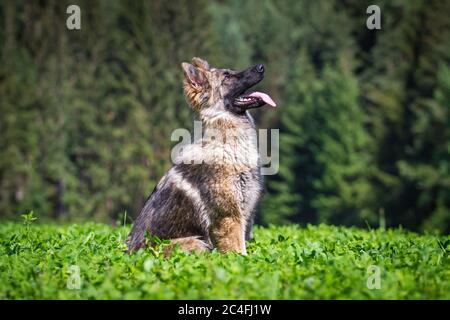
(254,99)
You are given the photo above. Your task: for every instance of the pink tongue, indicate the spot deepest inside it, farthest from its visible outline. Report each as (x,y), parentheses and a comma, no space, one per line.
(264,97)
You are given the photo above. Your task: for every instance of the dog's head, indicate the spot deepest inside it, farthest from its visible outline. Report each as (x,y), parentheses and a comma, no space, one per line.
(224,89)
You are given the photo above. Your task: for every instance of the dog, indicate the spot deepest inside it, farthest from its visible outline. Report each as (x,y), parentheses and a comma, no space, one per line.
(208,198)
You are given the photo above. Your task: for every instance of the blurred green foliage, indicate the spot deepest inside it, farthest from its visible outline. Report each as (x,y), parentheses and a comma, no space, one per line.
(86,116)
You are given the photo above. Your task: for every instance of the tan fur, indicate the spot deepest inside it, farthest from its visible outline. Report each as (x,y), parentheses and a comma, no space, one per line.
(227,227)
(187,244)
(193,95)
(227,234)
(198,62)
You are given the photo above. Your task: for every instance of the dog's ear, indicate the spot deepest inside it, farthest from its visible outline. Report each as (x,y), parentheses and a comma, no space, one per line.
(194,76)
(200,63)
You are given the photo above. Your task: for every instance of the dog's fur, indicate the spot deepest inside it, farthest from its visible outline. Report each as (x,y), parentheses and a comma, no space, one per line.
(211,204)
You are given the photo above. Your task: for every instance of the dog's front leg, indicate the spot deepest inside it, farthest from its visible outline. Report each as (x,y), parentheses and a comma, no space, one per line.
(227,234)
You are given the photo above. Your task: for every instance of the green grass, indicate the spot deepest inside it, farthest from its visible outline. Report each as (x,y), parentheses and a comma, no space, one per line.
(317,262)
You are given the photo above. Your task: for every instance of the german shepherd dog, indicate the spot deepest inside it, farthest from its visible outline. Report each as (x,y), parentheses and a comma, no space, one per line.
(207,199)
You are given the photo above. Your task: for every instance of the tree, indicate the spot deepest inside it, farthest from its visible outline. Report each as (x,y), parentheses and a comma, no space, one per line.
(324,152)
(430,172)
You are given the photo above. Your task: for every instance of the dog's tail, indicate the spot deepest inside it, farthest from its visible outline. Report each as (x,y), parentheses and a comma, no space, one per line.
(187,244)
(136,238)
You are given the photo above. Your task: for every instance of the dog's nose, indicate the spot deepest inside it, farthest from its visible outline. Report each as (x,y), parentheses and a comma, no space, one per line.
(260,68)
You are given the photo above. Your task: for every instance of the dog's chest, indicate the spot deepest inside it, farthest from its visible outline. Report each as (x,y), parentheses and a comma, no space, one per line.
(248,188)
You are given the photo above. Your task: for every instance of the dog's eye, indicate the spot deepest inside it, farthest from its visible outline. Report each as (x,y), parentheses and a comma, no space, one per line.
(226,75)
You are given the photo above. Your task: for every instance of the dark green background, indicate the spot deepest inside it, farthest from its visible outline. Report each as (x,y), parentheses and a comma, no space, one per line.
(364,115)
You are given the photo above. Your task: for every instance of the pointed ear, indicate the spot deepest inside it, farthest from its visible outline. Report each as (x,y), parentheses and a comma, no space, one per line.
(193,75)
(200,63)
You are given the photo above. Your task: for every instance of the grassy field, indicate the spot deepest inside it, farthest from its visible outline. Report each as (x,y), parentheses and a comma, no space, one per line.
(318,262)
